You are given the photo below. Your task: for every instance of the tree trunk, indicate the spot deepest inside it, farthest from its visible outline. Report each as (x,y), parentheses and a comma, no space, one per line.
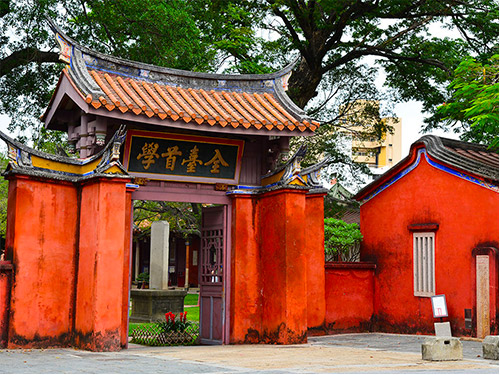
(303,83)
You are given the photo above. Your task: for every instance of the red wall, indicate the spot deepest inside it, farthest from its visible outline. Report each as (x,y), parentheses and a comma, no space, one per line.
(102,257)
(246,297)
(349,289)
(70,268)
(467,215)
(315,245)
(271,267)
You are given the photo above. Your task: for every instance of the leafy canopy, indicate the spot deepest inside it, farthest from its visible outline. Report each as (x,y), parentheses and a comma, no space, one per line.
(473,106)
(337,45)
(340,237)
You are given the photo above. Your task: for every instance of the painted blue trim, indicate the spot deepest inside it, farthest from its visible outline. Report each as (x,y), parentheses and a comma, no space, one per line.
(135,186)
(434,164)
(461,175)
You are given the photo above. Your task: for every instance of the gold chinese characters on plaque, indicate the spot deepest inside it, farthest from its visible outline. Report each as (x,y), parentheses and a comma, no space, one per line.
(175,157)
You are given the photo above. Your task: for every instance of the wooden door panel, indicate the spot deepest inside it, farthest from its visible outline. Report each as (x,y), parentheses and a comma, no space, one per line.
(212,274)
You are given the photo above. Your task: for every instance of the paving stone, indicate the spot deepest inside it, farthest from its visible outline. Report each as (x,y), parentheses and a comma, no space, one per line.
(490,347)
(442,349)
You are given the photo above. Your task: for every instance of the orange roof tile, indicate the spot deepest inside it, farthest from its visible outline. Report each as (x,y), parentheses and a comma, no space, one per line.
(214,107)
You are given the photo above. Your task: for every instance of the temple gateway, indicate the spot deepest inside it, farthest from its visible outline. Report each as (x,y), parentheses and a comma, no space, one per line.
(144,132)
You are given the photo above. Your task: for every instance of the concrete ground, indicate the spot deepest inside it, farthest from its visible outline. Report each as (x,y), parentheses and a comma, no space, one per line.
(348,353)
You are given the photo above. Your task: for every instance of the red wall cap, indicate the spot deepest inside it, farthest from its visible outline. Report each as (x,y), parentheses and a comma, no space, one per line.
(350,265)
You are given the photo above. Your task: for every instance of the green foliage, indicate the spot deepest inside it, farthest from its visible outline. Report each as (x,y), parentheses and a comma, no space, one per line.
(183,218)
(142,277)
(194,313)
(173,323)
(191,299)
(152,334)
(474,101)
(340,237)
(330,39)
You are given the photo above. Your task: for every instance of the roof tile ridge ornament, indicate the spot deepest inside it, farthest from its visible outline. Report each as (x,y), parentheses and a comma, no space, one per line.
(290,176)
(292,165)
(68,44)
(79,71)
(21,156)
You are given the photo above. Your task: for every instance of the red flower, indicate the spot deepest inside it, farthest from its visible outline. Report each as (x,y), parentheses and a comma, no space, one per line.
(170,316)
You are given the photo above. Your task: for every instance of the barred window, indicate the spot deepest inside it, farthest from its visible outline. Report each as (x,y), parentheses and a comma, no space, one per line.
(423,264)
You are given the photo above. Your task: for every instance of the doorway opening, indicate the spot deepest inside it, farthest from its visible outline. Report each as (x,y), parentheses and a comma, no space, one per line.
(197,259)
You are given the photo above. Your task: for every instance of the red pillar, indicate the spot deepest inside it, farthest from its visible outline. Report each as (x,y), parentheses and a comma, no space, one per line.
(269,267)
(41,242)
(5,285)
(283,266)
(127,267)
(315,238)
(246,298)
(99,301)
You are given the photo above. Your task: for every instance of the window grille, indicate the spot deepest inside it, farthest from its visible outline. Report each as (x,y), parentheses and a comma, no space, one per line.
(423,264)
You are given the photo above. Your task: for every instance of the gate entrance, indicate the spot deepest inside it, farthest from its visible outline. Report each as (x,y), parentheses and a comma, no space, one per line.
(142,132)
(212,277)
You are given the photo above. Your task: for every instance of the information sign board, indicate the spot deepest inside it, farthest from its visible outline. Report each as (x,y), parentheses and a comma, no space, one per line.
(439,309)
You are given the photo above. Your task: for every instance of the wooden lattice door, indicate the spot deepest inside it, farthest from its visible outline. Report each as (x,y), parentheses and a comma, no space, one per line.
(212,276)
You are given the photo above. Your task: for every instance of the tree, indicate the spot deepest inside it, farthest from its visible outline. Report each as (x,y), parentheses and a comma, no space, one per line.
(473,103)
(342,240)
(330,39)
(183,218)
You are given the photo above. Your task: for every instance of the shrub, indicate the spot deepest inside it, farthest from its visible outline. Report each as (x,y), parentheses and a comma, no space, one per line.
(341,240)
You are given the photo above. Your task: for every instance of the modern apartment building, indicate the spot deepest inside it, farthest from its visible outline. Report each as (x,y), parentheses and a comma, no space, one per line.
(366,147)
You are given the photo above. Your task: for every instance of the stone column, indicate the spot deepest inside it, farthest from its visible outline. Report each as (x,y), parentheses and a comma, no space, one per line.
(158,266)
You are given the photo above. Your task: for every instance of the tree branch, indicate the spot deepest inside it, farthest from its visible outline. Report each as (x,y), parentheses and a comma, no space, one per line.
(26,56)
(293,34)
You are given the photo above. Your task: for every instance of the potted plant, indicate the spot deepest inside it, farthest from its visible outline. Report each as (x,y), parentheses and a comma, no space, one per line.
(143,280)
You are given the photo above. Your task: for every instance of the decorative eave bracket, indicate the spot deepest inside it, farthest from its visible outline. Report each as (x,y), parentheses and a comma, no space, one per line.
(289,175)
(25,160)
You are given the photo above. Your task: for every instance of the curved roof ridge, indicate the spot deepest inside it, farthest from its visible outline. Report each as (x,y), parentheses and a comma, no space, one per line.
(170,71)
(446,152)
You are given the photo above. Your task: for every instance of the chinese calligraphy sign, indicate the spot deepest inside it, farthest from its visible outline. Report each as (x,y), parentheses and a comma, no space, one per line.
(177,157)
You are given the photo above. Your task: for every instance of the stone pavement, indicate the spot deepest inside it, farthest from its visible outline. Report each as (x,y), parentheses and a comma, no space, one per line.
(348,353)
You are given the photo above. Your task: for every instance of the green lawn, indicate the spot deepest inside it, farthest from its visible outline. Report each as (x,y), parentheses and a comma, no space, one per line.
(191,299)
(193,313)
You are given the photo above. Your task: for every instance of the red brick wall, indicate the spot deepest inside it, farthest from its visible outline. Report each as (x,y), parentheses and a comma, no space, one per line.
(41,241)
(70,267)
(5,283)
(273,275)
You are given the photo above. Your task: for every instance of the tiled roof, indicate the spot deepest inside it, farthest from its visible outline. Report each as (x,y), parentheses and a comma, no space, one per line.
(221,107)
(245,101)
